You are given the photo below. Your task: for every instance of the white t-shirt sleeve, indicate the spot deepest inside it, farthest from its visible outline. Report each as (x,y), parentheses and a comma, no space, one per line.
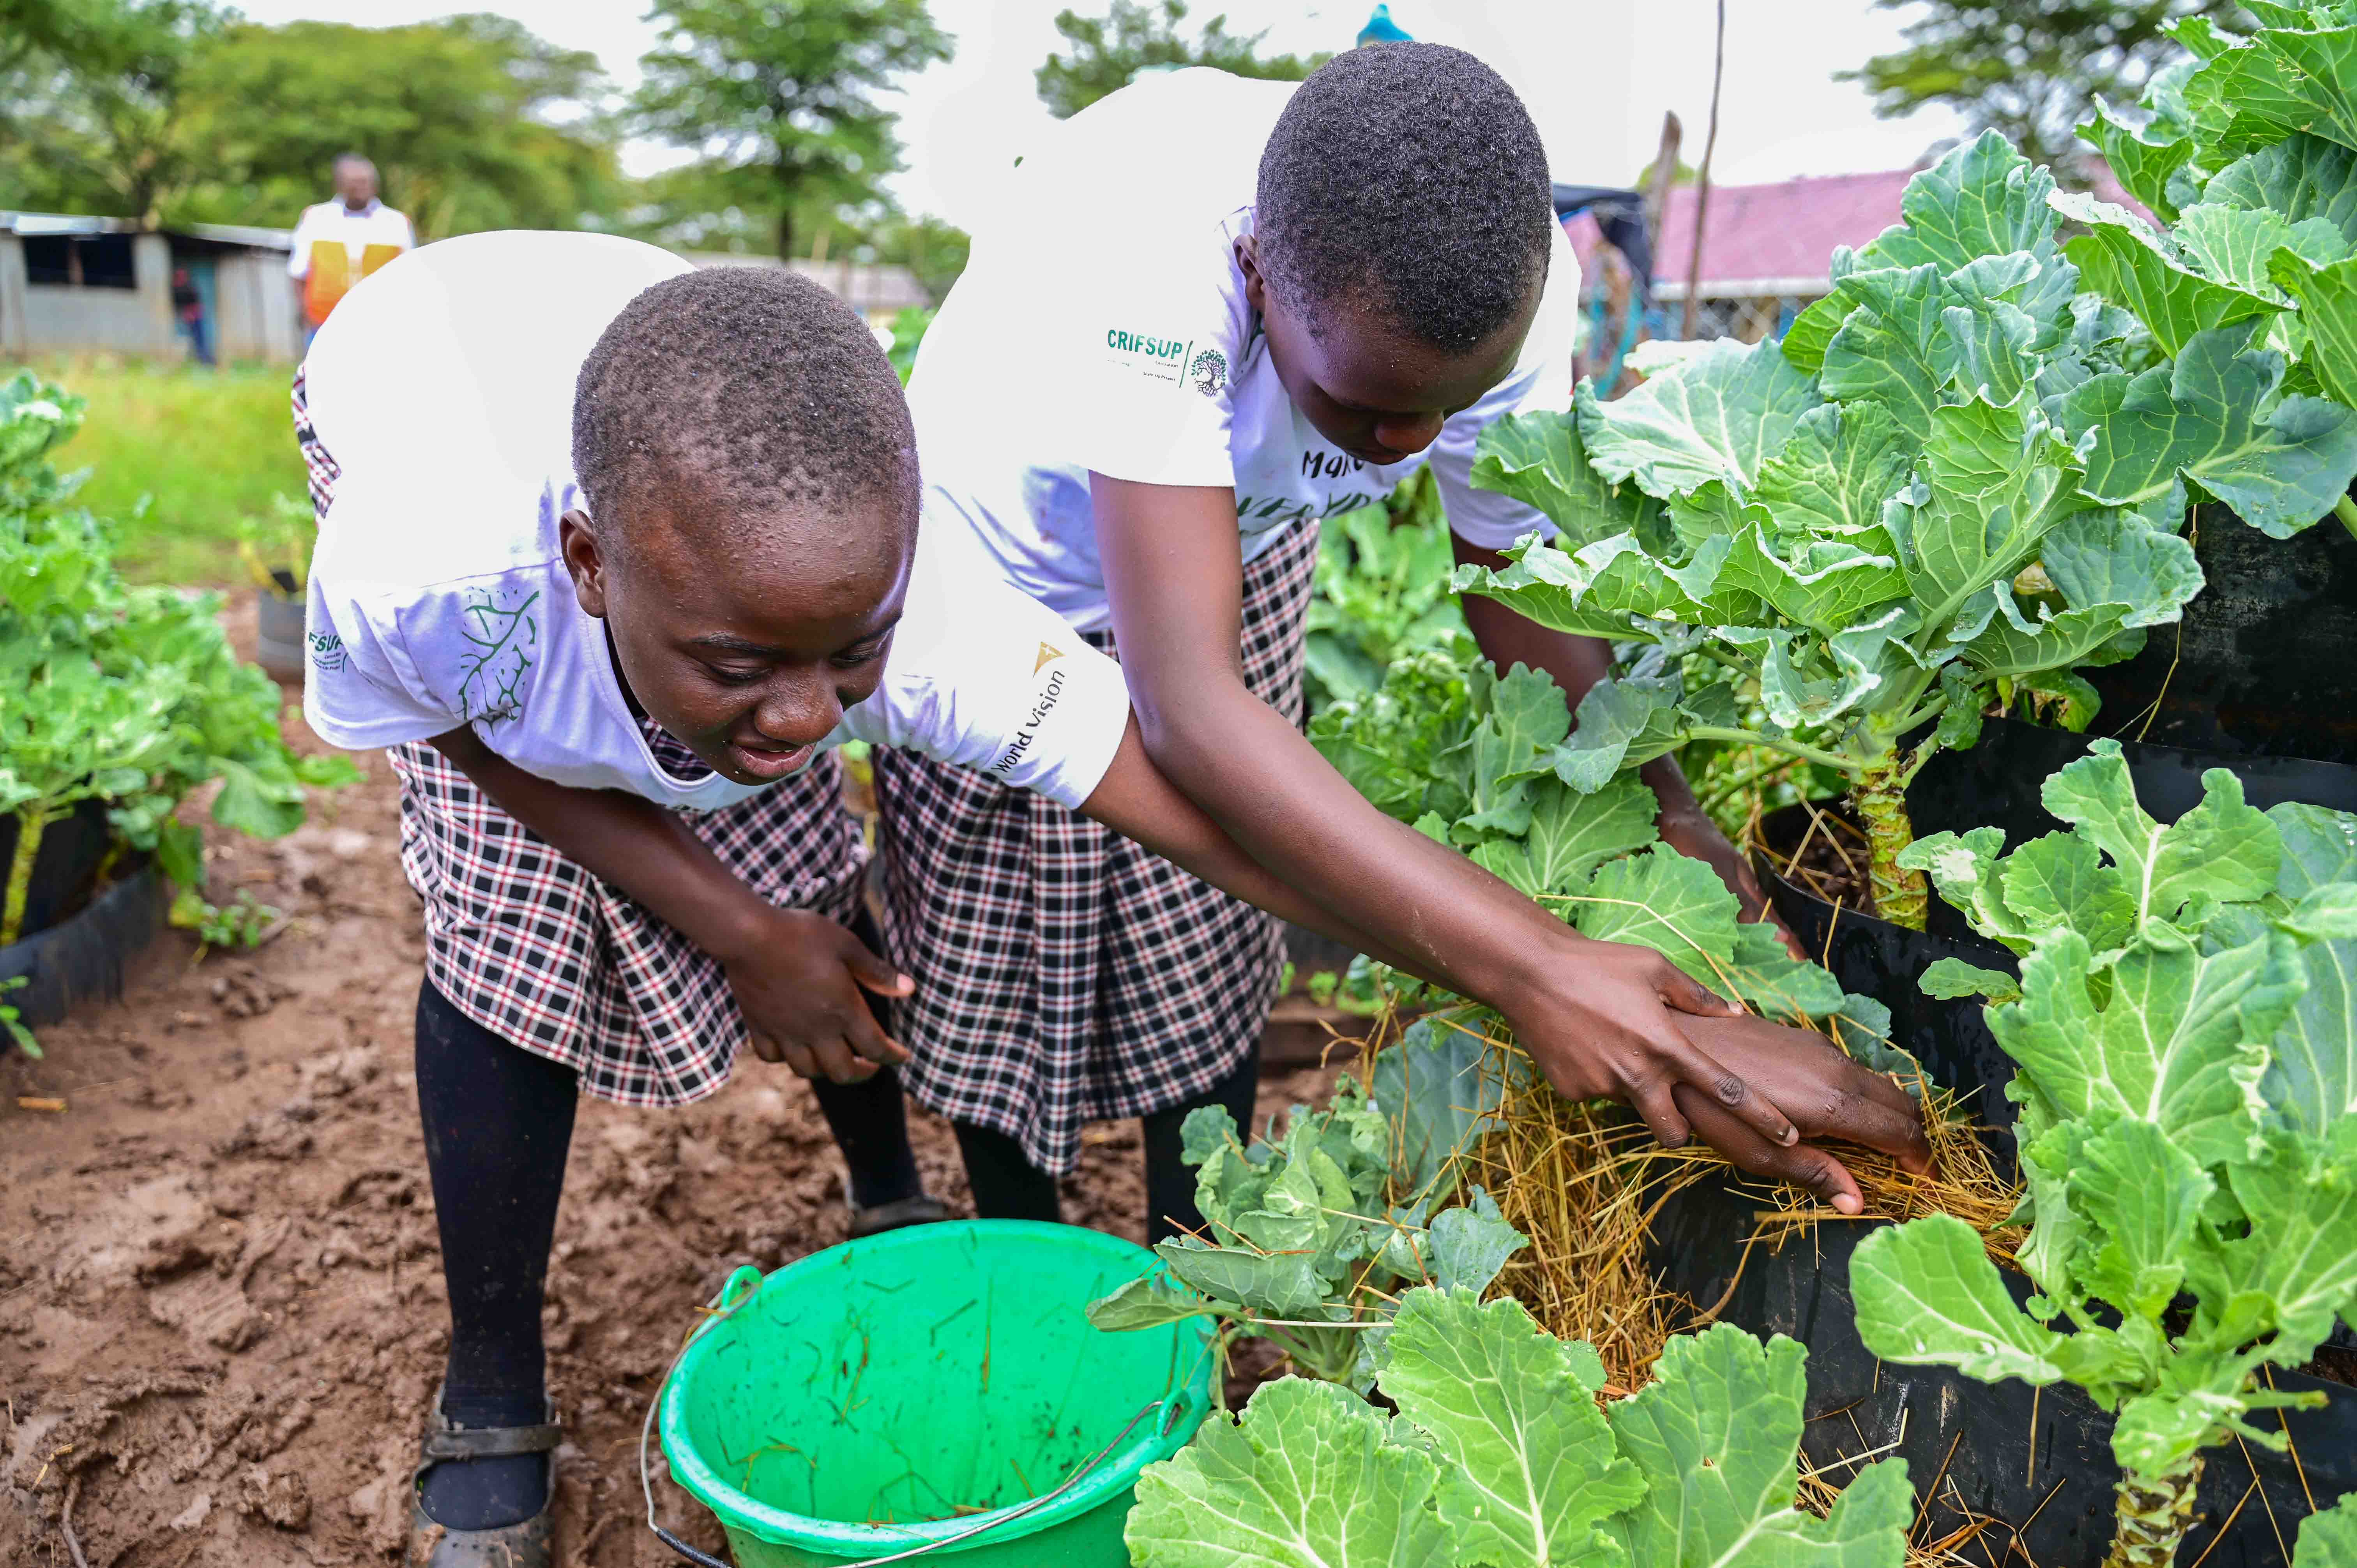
(1541,384)
(361,690)
(982,677)
(1141,356)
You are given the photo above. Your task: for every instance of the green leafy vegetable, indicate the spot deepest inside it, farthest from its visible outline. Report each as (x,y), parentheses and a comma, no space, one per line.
(2247,147)
(1309,1239)
(1381,592)
(1959,478)
(125,695)
(1495,766)
(2186,1055)
(1500,1458)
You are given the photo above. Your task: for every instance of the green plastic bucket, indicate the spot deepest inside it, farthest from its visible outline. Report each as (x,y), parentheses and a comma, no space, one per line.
(923,1389)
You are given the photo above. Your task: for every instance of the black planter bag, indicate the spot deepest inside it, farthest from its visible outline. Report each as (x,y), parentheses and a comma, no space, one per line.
(72,848)
(2266,659)
(82,958)
(2037,1460)
(1997,783)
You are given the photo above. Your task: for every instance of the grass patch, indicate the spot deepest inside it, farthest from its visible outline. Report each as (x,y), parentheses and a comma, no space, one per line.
(209,447)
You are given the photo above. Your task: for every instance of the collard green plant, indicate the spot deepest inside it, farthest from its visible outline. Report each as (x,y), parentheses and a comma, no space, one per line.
(12,1021)
(127,695)
(1381,593)
(275,548)
(1494,767)
(1500,1457)
(1309,1239)
(2248,146)
(2185,1034)
(1955,481)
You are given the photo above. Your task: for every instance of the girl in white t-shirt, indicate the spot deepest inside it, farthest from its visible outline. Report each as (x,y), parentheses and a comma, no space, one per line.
(612,552)
(1206,313)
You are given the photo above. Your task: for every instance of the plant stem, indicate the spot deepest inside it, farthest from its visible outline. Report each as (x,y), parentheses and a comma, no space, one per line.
(1881,796)
(2346,510)
(2153,1518)
(30,822)
(1788,748)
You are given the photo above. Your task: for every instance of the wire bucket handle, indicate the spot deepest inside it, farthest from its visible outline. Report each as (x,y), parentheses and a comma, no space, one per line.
(1173,1404)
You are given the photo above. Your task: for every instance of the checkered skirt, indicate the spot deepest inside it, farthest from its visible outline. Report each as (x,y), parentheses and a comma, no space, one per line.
(1065,974)
(529,944)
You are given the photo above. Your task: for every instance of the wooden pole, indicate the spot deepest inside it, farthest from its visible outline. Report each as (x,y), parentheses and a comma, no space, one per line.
(1663,175)
(1702,176)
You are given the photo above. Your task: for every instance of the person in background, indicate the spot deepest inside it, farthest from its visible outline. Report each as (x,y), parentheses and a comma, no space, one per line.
(339,242)
(189,307)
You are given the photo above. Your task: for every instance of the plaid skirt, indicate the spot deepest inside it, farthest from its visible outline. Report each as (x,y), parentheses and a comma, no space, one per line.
(528,943)
(1065,974)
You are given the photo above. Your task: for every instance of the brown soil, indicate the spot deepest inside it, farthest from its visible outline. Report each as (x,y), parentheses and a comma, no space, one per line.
(220,1306)
(1831,855)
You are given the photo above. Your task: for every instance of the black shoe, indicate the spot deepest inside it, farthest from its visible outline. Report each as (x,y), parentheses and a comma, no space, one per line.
(897,1215)
(528,1543)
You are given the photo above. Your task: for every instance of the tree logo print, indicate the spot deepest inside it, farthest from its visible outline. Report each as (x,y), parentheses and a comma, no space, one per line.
(1209,373)
(502,644)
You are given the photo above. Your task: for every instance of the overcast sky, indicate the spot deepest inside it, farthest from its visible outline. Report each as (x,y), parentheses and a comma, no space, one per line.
(1597,73)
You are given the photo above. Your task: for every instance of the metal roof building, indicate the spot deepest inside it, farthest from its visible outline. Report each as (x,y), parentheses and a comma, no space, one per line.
(73,284)
(77,284)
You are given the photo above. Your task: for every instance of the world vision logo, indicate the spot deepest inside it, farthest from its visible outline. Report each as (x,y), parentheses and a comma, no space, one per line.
(1051,692)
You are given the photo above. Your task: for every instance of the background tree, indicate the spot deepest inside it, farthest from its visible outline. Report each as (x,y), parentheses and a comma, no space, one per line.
(473,123)
(2030,69)
(92,117)
(168,111)
(1102,54)
(778,98)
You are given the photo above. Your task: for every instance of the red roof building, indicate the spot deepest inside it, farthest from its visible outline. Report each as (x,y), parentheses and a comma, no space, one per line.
(1777,238)
(1766,247)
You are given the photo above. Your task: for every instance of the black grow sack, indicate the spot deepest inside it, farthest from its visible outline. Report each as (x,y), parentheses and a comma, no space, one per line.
(1997,783)
(2264,661)
(81,959)
(2039,1460)
(73,849)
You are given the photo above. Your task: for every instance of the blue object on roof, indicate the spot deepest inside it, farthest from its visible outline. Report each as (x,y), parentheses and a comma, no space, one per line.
(1382,29)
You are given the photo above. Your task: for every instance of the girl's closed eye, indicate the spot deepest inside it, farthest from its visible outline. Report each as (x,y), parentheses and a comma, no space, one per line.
(860,653)
(733,675)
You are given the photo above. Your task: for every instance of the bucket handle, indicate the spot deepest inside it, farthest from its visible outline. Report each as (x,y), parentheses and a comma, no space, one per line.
(1174,1406)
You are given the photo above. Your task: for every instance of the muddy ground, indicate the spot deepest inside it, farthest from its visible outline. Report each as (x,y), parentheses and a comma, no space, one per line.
(221,1310)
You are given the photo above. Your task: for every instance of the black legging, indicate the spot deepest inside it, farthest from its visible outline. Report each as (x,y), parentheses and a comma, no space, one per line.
(1009,1187)
(498,1121)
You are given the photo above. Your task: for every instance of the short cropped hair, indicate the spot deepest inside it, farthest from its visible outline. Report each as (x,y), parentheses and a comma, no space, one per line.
(1410,176)
(755,384)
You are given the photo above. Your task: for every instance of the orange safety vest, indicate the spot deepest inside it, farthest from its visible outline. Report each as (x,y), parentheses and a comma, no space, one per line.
(330,278)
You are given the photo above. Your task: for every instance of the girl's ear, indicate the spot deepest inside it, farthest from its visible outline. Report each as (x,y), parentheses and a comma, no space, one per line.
(1248,263)
(578,542)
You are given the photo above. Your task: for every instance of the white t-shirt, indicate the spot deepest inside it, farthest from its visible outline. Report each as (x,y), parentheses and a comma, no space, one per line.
(443,387)
(1101,325)
(375,224)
